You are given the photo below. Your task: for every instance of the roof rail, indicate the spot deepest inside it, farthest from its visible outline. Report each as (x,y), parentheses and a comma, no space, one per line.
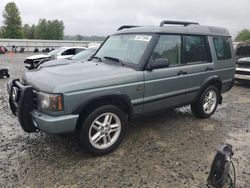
(127,27)
(164,22)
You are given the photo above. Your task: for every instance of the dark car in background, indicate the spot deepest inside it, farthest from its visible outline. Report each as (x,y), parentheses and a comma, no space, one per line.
(242,73)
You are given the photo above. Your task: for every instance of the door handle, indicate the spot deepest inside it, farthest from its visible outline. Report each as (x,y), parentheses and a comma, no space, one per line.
(181,73)
(208,68)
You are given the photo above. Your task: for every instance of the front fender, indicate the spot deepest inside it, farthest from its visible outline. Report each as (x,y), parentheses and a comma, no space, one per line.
(102,96)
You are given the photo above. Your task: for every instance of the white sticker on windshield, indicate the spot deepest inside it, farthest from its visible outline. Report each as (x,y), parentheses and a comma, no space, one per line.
(143,38)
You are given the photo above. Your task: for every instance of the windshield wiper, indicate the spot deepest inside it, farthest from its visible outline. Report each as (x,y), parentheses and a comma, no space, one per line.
(114,59)
(98,58)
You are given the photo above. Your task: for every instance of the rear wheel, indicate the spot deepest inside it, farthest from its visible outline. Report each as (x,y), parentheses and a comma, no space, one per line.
(207,103)
(102,130)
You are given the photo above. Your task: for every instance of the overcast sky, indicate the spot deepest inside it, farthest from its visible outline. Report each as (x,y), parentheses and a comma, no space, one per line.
(102,17)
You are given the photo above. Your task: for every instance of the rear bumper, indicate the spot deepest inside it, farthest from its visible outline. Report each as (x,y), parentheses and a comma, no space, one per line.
(31,120)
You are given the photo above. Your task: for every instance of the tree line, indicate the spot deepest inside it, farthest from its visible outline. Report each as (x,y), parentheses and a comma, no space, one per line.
(13,28)
(84,38)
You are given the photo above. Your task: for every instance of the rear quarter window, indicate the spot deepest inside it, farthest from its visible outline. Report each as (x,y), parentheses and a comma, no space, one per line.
(222,48)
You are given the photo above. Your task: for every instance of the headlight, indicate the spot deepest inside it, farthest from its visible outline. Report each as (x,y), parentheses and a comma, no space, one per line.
(50,102)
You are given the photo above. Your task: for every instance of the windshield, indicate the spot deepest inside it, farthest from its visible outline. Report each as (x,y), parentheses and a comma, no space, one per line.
(54,52)
(128,48)
(84,55)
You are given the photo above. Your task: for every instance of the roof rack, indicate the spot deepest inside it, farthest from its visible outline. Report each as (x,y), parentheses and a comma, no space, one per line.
(127,27)
(164,22)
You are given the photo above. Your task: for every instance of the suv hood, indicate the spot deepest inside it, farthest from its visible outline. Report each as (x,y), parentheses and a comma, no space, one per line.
(245,59)
(38,56)
(79,76)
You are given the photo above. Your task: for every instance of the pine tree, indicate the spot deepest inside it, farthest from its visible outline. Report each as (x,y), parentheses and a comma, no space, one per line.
(12,27)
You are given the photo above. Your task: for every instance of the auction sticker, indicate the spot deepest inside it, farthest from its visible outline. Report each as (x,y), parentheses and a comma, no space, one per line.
(145,38)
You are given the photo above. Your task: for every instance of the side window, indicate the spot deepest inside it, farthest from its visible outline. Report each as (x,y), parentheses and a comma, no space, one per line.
(79,50)
(196,49)
(168,47)
(222,48)
(69,52)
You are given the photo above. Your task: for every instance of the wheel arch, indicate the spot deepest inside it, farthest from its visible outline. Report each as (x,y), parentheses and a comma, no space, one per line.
(212,80)
(91,102)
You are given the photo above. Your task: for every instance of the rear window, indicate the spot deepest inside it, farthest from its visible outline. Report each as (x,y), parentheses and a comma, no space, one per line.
(222,48)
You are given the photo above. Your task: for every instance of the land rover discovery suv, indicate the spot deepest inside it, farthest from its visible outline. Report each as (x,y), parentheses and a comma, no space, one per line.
(136,71)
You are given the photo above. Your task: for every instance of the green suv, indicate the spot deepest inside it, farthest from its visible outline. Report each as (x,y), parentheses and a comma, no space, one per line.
(136,71)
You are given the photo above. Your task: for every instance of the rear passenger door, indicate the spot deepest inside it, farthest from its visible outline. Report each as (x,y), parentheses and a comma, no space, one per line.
(165,87)
(198,63)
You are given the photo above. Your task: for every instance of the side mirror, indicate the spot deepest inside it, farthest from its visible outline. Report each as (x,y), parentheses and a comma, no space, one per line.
(158,63)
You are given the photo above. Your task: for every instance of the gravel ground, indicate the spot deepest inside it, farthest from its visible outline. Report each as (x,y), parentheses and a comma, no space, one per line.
(172,149)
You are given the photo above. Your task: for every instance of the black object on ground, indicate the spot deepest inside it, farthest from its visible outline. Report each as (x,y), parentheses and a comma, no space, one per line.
(4,72)
(22,50)
(36,50)
(220,169)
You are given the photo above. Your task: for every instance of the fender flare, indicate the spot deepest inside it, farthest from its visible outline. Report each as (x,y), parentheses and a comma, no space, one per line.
(102,95)
(208,81)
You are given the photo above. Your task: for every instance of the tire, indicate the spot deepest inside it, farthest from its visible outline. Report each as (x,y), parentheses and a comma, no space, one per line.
(98,137)
(207,103)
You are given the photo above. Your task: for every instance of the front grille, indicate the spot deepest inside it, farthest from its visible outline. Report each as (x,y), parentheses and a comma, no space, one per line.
(244,65)
(242,72)
(35,99)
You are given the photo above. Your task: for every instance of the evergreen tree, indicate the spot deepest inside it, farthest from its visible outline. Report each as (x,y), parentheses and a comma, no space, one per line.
(12,27)
(49,29)
(26,31)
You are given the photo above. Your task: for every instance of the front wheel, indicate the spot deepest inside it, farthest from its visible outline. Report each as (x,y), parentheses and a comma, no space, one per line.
(102,131)
(207,103)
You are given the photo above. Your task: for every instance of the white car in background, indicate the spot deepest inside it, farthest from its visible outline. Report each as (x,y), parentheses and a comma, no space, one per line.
(61,53)
(80,57)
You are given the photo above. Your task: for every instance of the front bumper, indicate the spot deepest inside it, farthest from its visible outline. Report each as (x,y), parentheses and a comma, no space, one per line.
(52,124)
(242,74)
(21,101)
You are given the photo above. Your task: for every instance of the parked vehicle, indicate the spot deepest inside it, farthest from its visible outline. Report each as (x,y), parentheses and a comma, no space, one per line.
(61,53)
(3,49)
(137,71)
(242,73)
(82,56)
